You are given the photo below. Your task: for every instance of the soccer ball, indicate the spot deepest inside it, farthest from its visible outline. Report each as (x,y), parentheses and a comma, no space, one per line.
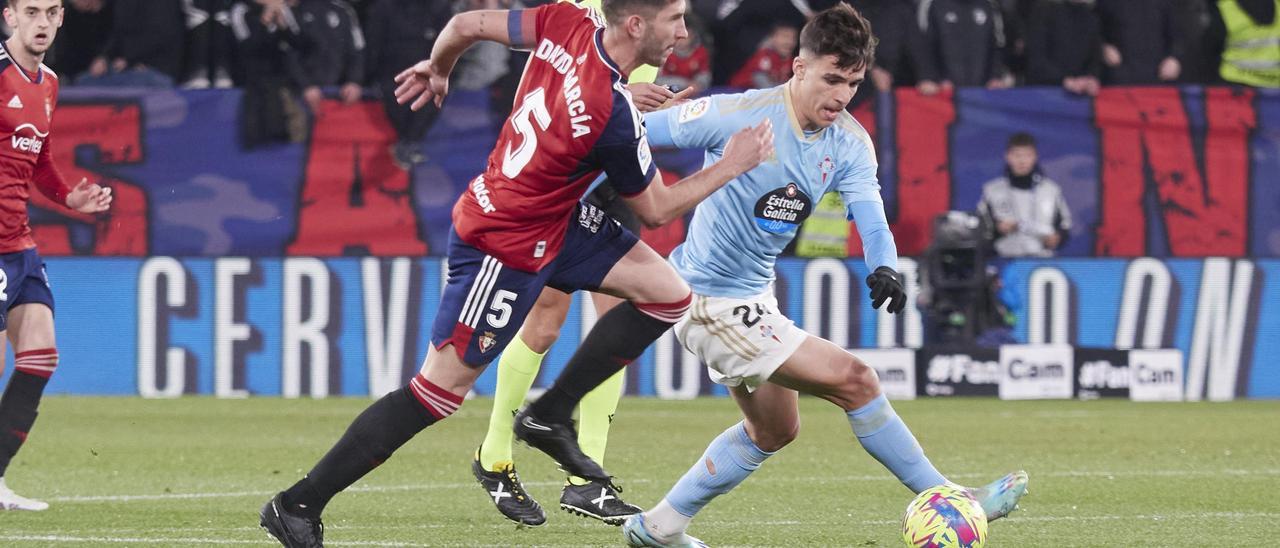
(946,516)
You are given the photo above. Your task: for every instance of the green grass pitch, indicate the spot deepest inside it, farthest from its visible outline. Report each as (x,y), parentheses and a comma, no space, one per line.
(194,471)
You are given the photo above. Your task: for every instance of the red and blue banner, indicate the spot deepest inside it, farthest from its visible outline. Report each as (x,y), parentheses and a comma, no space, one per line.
(1164,172)
(311,269)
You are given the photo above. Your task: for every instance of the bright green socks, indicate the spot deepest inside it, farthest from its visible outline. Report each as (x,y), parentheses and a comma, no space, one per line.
(517,369)
(595,413)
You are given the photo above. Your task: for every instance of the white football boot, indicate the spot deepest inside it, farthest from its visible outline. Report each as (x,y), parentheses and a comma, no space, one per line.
(13,501)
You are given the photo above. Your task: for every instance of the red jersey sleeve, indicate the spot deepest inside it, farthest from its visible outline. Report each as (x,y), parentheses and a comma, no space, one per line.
(48,179)
(46,176)
(526,27)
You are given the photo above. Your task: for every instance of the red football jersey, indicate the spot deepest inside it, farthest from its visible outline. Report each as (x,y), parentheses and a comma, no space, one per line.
(767,61)
(573,118)
(26,112)
(698,62)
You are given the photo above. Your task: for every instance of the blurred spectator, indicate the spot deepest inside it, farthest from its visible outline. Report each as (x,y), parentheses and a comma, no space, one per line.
(690,64)
(964,45)
(1017,20)
(1141,42)
(1024,207)
(401,33)
(332,52)
(901,44)
(738,27)
(1192,23)
(210,46)
(267,39)
(484,62)
(1064,46)
(1243,37)
(145,47)
(771,64)
(362,8)
(86,24)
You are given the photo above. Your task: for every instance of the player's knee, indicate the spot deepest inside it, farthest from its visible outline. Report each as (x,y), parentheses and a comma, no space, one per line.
(775,435)
(539,336)
(858,385)
(40,362)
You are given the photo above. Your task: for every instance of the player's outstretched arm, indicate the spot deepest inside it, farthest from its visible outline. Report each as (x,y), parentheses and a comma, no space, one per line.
(428,80)
(659,204)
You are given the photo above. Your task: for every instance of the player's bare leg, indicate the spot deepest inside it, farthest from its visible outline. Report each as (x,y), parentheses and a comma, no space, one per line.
(822,369)
(293,516)
(656,299)
(771,420)
(30,330)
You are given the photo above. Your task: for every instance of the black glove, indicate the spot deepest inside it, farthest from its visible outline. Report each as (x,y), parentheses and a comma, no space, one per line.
(886,285)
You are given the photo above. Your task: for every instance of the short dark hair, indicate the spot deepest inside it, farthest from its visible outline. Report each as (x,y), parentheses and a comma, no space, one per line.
(843,32)
(616,10)
(1020,139)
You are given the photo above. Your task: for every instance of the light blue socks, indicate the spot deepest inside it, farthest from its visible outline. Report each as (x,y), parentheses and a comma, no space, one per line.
(730,458)
(883,434)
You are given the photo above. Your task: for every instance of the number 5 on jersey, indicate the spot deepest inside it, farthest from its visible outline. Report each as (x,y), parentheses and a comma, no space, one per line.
(533,109)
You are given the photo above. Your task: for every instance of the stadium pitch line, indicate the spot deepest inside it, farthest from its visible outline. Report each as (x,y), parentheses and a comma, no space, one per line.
(1109,474)
(105,539)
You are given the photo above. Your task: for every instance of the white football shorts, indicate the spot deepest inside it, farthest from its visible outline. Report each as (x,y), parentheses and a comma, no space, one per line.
(742,341)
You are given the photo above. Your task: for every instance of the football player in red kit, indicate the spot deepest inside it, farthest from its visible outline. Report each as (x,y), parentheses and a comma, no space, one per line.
(520,226)
(28,93)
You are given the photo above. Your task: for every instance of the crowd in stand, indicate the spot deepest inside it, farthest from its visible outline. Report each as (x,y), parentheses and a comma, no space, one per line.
(933,44)
(276,49)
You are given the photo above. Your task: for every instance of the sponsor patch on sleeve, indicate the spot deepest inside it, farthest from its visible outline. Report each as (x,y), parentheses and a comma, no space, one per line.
(694,109)
(643,154)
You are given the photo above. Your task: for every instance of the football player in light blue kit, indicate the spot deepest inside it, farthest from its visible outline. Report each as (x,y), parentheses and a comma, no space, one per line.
(734,324)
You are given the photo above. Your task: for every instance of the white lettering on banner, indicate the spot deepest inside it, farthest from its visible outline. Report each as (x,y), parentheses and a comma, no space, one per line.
(149,303)
(1155,375)
(1031,371)
(384,334)
(1218,335)
(1102,374)
(957,368)
(912,328)
(1131,305)
(666,352)
(1041,328)
(834,273)
(226,331)
(297,331)
(896,368)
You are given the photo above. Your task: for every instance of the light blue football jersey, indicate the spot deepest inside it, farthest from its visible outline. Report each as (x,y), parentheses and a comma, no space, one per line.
(738,232)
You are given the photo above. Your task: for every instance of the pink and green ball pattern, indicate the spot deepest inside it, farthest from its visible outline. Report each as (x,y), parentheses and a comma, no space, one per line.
(945,516)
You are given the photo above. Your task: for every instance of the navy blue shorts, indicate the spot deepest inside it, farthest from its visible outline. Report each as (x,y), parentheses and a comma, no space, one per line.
(22,281)
(484,303)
